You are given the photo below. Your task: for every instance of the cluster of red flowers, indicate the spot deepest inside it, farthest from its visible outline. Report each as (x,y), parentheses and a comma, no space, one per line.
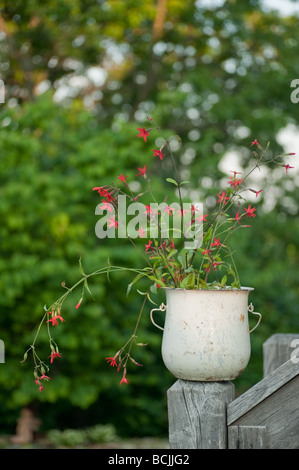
(55,316)
(215,244)
(210,252)
(113,363)
(39,383)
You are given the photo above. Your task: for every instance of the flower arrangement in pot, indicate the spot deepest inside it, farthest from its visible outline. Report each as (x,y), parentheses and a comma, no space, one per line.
(187,254)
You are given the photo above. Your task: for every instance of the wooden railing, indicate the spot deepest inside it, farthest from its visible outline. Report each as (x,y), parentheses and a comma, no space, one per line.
(205,415)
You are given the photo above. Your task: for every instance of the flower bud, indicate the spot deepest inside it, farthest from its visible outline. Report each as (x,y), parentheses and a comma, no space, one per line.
(25,357)
(134,362)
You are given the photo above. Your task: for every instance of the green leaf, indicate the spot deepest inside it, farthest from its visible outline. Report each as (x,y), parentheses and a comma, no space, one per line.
(153,288)
(81,268)
(231,272)
(172,253)
(223,280)
(203,283)
(108,270)
(208,235)
(190,269)
(136,278)
(86,286)
(150,299)
(170,180)
(141,293)
(188,282)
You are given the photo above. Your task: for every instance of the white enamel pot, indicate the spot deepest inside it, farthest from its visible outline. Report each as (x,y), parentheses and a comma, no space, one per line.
(206,336)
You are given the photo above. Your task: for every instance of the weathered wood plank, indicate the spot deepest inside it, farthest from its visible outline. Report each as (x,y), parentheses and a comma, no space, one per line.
(247,437)
(262,390)
(279,412)
(278,349)
(197,414)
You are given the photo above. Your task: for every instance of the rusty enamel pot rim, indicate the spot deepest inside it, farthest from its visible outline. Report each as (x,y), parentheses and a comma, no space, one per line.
(214,289)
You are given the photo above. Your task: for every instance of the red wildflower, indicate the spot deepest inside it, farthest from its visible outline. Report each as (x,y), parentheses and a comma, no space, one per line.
(147,247)
(234,182)
(141,232)
(201,218)
(107,206)
(158,153)
(169,210)
(100,190)
(44,377)
(194,209)
(53,355)
(109,197)
(206,252)
(143,133)
(141,171)
(124,380)
(288,167)
(104,193)
(149,210)
(113,222)
(54,320)
(250,211)
(237,218)
(41,388)
(216,242)
(222,197)
(255,142)
(182,211)
(112,361)
(79,303)
(213,265)
(171,244)
(122,178)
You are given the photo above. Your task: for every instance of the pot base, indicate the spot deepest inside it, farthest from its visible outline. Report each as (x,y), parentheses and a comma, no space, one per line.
(204,378)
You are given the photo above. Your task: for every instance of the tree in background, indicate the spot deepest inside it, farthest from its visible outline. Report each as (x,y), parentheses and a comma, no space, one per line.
(218,77)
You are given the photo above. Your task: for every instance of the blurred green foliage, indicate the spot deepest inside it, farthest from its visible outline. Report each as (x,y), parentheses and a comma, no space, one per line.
(219,78)
(79,437)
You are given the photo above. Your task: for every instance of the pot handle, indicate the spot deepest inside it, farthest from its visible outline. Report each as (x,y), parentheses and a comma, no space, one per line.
(162,308)
(250,310)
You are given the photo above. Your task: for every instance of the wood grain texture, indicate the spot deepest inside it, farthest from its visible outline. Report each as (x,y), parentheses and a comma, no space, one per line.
(262,390)
(272,403)
(247,437)
(197,414)
(279,413)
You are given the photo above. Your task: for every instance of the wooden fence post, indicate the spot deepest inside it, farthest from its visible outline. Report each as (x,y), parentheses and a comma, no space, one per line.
(197,414)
